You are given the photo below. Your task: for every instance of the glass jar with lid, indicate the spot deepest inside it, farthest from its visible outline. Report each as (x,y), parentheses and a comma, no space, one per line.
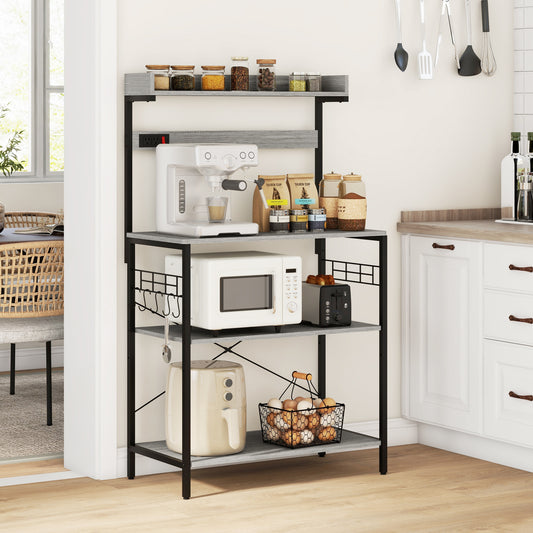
(352,184)
(328,198)
(182,78)
(161,76)
(240,74)
(213,78)
(266,77)
(297,82)
(313,82)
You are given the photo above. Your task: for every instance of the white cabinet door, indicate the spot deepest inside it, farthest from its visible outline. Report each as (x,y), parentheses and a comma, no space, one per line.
(445,332)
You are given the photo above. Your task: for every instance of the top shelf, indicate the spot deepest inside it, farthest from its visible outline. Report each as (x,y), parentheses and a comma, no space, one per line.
(334,88)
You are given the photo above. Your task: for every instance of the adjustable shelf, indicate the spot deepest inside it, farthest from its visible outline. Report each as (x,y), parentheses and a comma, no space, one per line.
(256,451)
(334,88)
(157,293)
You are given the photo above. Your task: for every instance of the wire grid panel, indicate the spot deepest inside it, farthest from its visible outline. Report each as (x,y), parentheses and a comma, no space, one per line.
(32,279)
(362,273)
(158,293)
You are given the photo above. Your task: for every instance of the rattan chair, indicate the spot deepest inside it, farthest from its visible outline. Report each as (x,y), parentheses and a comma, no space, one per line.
(32,300)
(30,219)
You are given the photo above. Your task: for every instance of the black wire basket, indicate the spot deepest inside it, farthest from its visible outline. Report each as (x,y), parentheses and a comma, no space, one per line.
(314,426)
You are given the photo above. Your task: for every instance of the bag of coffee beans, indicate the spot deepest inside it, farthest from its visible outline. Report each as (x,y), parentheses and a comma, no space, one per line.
(303,191)
(277,197)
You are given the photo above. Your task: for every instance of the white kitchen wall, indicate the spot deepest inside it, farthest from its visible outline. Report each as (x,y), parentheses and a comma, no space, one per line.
(523,66)
(418,144)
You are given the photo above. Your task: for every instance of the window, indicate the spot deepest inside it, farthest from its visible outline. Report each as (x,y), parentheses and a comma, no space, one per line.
(31,70)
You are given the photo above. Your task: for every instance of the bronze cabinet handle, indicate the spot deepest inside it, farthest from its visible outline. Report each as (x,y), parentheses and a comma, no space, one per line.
(443,246)
(522,269)
(528,397)
(513,318)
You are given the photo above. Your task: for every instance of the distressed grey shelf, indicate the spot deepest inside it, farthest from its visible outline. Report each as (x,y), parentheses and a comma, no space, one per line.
(257,451)
(149,237)
(280,139)
(200,336)
(334,87)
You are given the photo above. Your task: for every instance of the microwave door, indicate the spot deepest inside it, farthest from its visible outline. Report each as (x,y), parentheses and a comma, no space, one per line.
(247,293)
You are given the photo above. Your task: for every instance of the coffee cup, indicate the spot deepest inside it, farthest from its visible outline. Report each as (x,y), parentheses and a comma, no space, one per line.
(217,206)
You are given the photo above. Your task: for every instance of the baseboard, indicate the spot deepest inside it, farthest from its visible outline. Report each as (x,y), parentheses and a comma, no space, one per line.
(31,358)
(38,478)
(400,431)
(476,446)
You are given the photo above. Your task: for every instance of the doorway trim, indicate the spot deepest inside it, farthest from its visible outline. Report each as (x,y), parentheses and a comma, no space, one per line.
(91,240)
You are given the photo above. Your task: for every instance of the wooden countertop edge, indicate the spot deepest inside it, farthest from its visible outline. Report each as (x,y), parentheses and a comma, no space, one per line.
(485,230)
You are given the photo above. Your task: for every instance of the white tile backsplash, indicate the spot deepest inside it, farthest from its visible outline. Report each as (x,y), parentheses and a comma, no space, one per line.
(519,18)
(527,19)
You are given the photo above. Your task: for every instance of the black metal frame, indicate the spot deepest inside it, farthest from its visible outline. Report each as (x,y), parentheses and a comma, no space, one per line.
(320,249)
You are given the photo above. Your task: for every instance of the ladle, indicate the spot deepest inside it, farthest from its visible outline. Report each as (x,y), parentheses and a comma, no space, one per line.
(400,55)
(469,62)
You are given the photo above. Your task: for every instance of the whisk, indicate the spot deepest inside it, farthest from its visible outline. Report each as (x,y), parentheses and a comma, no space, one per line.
(488,62)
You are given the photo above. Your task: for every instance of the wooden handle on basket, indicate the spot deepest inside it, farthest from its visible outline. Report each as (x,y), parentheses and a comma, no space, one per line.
(301,375)
(523,269)
(529,397)
(443,246)
(513,318)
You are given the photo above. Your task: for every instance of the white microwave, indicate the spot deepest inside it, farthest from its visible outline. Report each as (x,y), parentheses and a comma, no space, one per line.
(241,289)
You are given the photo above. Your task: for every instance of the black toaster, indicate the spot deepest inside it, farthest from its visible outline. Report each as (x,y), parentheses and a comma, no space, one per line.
(326,305)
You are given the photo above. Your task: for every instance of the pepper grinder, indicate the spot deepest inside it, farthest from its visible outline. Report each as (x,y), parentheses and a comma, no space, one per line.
(524,209)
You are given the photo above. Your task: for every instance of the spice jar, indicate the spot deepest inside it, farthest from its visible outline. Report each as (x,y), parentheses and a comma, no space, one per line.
(266,78)
(161,76)
(313,82)
(329,197)
(297,82)
(299,220)
(352,206)
(240,74)
(182,78)
(213,78)
(279,220)
(316,219)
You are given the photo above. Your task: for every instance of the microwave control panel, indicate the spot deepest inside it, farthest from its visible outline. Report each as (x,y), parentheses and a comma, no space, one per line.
(293,293)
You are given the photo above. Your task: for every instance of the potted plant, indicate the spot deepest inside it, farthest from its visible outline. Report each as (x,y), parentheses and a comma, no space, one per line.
(8,158)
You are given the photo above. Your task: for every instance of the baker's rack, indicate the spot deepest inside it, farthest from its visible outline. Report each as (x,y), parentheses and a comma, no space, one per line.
(142,283)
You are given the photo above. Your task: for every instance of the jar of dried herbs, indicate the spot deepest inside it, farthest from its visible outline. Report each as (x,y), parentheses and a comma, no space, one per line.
(213,78)
(161,76)
(182,78)
(240,74)
(297,82)
(266,77)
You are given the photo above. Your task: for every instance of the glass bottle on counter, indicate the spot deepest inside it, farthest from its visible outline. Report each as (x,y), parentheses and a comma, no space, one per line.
(161,76)
(524,206)
(266,77)
(213,78)
(513,166)
(240,74)
(182,78)
(328,196)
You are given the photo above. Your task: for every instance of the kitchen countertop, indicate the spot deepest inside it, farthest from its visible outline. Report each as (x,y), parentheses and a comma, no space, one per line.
(443,225)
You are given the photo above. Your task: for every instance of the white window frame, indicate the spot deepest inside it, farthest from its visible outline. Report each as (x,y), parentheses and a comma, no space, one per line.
(40,103)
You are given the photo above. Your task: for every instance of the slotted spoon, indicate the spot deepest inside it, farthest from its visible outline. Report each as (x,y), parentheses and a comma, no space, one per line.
(425,62)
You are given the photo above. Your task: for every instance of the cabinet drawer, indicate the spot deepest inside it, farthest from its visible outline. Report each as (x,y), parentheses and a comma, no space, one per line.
(499,307)
(508,368)
(508,267)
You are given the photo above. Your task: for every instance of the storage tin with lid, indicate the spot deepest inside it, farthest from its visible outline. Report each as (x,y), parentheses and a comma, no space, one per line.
(316,219)
(352,206)
(352,183)
(299,220)
(328,198)
(240,74)
(279,220)
(161,76)
(182,78)
(213,77)
(266,75)
(313,82)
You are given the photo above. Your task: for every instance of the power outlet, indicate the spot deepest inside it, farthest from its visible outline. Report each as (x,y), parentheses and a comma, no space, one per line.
(151,140)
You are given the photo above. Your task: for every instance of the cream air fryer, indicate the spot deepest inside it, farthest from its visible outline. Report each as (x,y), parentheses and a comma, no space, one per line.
(218,408)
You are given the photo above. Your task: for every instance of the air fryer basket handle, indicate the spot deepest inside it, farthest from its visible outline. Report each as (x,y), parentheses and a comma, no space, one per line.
(231,416)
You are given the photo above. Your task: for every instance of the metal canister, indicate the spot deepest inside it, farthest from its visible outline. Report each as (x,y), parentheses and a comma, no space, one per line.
(316,219)
(299,220)
(279,220)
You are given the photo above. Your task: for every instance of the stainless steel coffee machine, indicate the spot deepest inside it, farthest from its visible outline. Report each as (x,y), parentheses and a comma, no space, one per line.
(193,185)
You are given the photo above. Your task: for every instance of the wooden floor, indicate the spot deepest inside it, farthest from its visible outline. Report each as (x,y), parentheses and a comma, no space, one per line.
(426,490)
(31,468)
